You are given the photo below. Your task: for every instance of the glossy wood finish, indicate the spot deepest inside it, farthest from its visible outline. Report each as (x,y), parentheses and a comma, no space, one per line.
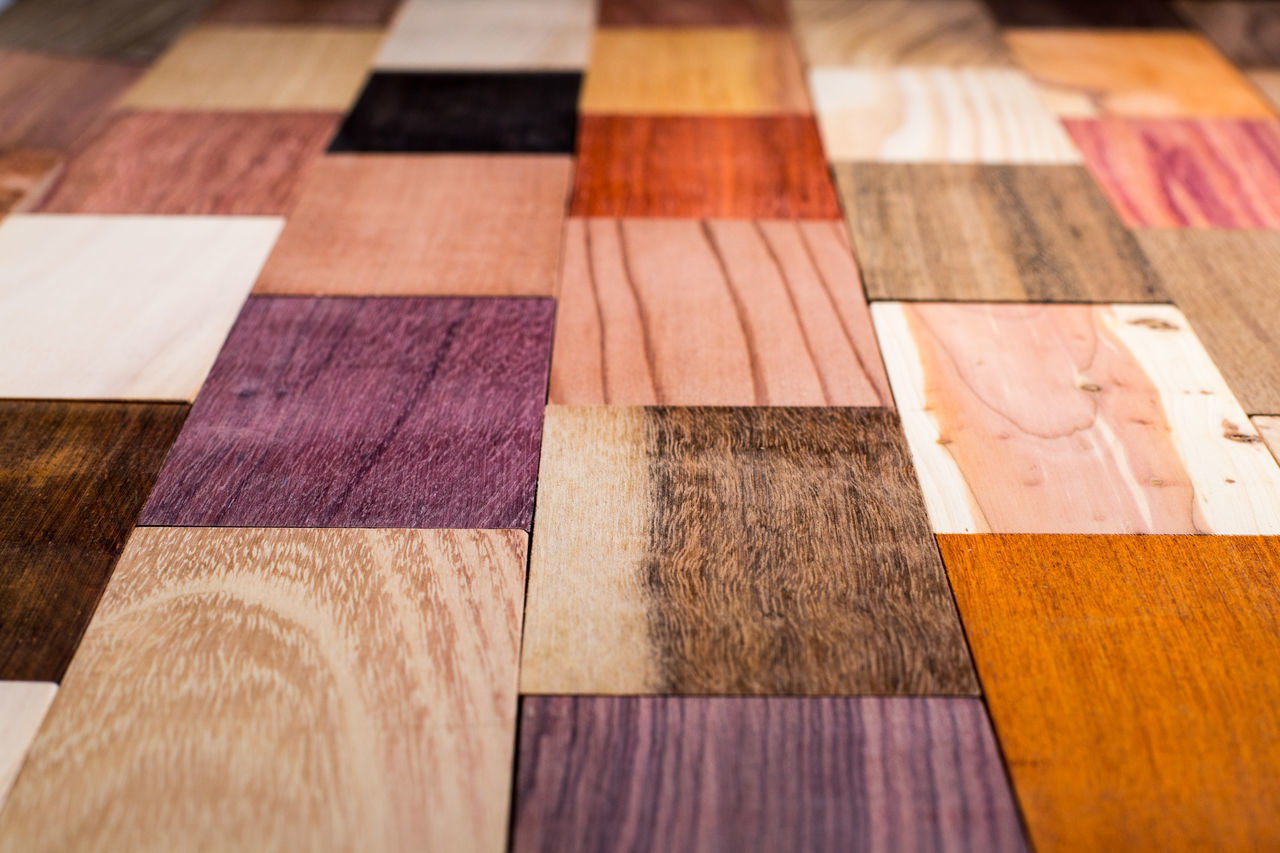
(1247,33)
(366,413)
(738,551)
(1268,427)
(898,33)
(25,176)
(134,30)
(693,13)
(1086,14)
(73,480)
(1073,419)
(1131,684)
(971,232)
(23,705)
(332,689)
(684,312)
(407,225)
(724,167)
(355,12)
(738,774)
(48,102)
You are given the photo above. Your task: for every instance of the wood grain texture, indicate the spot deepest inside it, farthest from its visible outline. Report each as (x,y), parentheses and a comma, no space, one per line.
(1073,419)
(25,176)
(898,33)
(49,102)
(366,413)
(1086,14)
(728,312)
(948,115)
(332,689)
(970,232)
(1187,173)
(760,774)
(357,12)
(134,30)
(73,480)
(404,225)
(1268,427)
(216,67)
(693,13)
(735,550)
(121,307)
(1247,33)
(722,167)
(23,705)
(1131,683)
(193,162)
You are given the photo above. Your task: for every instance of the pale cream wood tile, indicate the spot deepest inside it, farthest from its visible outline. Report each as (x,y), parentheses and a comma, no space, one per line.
(23,705)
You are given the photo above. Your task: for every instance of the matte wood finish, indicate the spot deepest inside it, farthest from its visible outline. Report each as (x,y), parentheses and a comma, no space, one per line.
(73,480)
(723,167)
(693,13)
(1132,684)
(735,550)
(406,225)
(951,115)
(366,413)
(1268,427)
(119,29)
(333,690)
(193,162)
(121,307)
(1086,14)
(464,112)
(22,708)
(760,774)
(48,102)
(357,12)
(1073,419)
(729,312)
(1247,33)
(971,232)
(25,176)
(898,33)
(1180,174)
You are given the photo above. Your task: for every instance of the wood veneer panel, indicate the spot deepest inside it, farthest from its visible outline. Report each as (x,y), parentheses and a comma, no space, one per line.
(1086,14)
(723,167)
(899,33)
(1247,33)
(23,705)
(735,550)
(136,30)
(48,102)
(357,12)
(1269,428)
(693,13)
(728,312)
(73,480)
(1073,419)
(738,774)
(939,231)
(25,176)
(406,225)
(1131,683)
(366,413)
(332,689)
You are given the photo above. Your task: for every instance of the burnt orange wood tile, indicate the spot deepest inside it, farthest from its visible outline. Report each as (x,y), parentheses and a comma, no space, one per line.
(49,101)
(25,176)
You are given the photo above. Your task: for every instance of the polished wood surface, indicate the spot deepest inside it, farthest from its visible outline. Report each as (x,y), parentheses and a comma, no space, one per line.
(900,33)
(132,30)
(693,13)
(25,177)
(23,705)
(49,102)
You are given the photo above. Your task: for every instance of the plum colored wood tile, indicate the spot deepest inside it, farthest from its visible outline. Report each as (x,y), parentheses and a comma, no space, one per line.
(1132,685)
(374,412)
(899,33)
(694,71)
(693,13)
(73,480)
(191,162)
(1247,33)
(23,705)
(760,774)
(973,232)
(947,115)
(334,690)
(216,67)
(1268,427)
(48,102)
(404,225)
(480,112)
(728,312)
(121,307)
(25,177)
(134,30)
(735,551)
(702,167)
(1185,173)
(1073,419)
(369,13)
(1086,14)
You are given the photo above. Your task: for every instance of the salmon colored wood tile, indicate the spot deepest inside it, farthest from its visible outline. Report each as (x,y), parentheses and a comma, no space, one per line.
(23,705)
(25,177)
(132,30)
(731,312)
(1268,427)
(281,690)
(1132,684)
(724,167)
(1268,83)
(48,102)
(1247,33)
(403,225)
(1087,14)
(890,33)
(693,13)
(357,12)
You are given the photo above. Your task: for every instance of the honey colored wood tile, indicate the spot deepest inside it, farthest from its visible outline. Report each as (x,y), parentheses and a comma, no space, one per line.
(898,33)
(1247,33)
(1131,683)
(357,12)
(132,30)
(693,13)
(332,689)
(727,312)
(23,705)
(49,102)
(1073,419)
(25,176)
(1268,427)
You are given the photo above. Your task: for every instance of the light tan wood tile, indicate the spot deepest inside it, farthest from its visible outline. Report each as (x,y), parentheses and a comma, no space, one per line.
(898,33)
(23,705)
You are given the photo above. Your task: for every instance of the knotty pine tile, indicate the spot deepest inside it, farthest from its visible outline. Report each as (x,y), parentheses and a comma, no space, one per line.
(25,177)
(129,30)
(49,102)
(693,13)
(23,705)
(897,33)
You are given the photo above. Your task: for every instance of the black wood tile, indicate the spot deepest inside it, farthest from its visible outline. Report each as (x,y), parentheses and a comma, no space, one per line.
(1126,14)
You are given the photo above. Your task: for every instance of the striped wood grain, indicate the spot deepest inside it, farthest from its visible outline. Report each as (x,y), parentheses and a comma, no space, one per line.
(23,705)
(693,13)
(896,33)
(131,30)
(49,102)
(1247,33)
(25,177)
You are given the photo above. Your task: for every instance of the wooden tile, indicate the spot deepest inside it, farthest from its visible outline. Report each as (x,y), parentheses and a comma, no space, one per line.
(356,12)
(25,176)
(406,225)
(366,413)
(693,13)
(1185,174)
(735,774)
(259,68)
(22,708)
(723,167)
(121,307)
(1086,14)
(1268,83)
(1132,684)
(694,71)
(899,33)
(738,551)
(1247,33)
(729,312)
(136,30)
(920,115)
(1268,427)
(193,162)
(1156,75)
(1073,419)
(464,112)
(73,480)
(48,102)
(1042,233)
(333,690)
